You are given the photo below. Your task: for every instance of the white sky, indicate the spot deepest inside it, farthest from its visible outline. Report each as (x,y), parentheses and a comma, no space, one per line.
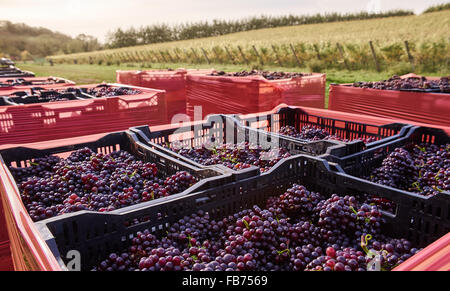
(98,17)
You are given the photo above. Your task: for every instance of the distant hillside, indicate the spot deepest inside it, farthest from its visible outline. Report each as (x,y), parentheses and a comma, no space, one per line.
(315,45)
(22,42)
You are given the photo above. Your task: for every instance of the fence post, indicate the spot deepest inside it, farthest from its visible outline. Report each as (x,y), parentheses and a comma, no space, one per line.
(230,56)
(341,52)
(243,55)
(258,56)
(410,57)
(374,56)
(205,55)
(295,55)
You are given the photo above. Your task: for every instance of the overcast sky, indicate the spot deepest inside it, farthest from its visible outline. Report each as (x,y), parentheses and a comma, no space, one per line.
(98,17)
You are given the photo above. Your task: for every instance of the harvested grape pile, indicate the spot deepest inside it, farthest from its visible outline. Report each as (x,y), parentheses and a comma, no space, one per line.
(85,180)
(423,169)
(23,82)
(313,133)
(397,83)
(112,91)
(234,156)
(44,96)
(265,74)
(297,231)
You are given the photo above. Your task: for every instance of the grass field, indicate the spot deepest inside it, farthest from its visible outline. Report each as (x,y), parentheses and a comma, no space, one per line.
(314,44)
(85,74)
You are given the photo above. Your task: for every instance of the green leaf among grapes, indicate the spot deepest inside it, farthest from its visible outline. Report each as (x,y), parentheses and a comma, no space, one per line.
(417,186)
(437,189)
(133,174)
(284,251)
(353,209)
(421,148)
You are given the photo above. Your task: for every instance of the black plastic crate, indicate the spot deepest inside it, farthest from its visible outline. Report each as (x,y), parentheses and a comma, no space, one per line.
(4,101)
(363,163)
(225,129)
(6,62)
(24,82)
(95,235)
(41,95)
(42,99)
(350,130)
(15,73)
(167,166)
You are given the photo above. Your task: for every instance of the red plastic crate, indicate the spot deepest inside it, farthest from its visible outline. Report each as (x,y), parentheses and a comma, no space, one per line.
(435,257)
(64,119)
(6,263)
(173,82)
(361,118)
(417,107)
(41,82)
(27,250)
(244,95)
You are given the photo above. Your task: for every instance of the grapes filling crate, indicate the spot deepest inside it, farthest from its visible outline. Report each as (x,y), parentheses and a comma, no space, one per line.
(251,92)
(101,237)
(222,140)
(171,81)
(421,155)
(110,107)
(298,124)
(92,168)
(11,84)
(411,98)
(40,95)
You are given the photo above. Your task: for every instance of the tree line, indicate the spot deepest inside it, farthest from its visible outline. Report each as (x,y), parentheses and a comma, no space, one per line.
(436,8)
(158,33)
(23,42)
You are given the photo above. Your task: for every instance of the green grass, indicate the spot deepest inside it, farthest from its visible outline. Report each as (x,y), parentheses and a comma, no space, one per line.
(85,74)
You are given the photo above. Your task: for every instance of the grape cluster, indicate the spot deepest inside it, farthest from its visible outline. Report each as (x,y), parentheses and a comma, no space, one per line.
(234,156)
(326,234)
(298,201)
(313,133)
(24,82)
(85,180)
(267,75)
(335,259)
(397,83)
(108,91)
(342,214)
(421,168)
(393,251)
